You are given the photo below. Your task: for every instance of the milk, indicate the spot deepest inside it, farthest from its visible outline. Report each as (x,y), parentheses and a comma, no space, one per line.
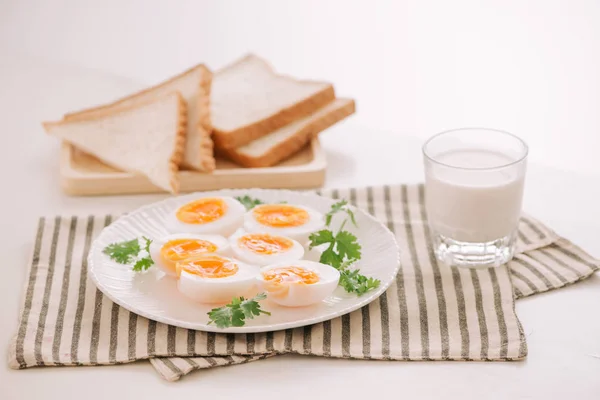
(474,205)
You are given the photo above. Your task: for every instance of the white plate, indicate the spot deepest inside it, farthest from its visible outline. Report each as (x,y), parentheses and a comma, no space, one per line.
(155,296)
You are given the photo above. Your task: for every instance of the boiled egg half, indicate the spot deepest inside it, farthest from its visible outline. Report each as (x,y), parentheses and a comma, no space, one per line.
(294,221)
(265,248)
(298,283)
(217,215)
(215,279)
(167,251)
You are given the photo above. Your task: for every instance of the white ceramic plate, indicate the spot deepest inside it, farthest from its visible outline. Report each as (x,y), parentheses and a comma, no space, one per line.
(155,296)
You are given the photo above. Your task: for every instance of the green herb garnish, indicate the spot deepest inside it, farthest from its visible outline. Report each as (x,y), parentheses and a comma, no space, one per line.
(343,246)
(354,282)
(123,252)
(342,251)
(236,312)
(342,206)
(128,252)
(248,201)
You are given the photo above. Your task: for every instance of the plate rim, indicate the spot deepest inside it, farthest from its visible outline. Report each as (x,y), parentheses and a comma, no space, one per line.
(243,329)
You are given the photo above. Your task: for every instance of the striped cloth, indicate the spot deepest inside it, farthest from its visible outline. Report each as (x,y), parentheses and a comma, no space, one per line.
(431,312)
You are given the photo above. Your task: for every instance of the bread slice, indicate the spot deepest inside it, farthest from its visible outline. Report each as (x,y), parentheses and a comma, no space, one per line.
(284,142)
(195,87)
(250,100)
(145,138)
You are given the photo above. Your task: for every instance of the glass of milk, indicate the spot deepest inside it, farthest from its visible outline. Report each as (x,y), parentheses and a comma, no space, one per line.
(474,189)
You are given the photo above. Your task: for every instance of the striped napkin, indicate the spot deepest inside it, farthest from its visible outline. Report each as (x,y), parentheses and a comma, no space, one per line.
(431,312)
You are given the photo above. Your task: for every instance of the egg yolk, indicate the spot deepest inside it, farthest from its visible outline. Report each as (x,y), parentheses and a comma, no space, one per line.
(290,275)
(202,211)
(260,243)
(208,267)
(180,249)
(280,215)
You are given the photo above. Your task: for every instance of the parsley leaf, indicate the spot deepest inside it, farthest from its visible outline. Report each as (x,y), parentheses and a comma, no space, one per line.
(248,201)
(342,251)
(251,308)
(236,312)
(347,245)
(342,206)
(222,316)
(143,264)
(321,237)
(128,252)
(354,282)
(123,252)
(330,257)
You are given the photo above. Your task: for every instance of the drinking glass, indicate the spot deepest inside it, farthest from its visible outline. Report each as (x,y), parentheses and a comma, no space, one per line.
(474,180)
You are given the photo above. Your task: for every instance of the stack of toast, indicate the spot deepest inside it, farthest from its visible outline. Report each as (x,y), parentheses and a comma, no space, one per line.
(245,112)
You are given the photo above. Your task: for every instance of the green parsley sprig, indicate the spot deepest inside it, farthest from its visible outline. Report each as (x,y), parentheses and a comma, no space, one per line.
(342,247)
(354,282)
(130,251)
(340,206)
(251,202)
(236,312)
(342,251)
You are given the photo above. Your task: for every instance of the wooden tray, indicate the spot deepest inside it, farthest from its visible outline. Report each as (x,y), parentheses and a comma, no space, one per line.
(85,175)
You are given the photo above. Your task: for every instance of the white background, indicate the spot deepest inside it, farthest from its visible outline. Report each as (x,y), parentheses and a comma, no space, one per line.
(414,68)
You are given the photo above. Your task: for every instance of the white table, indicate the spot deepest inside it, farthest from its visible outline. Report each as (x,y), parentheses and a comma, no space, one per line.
(379,145)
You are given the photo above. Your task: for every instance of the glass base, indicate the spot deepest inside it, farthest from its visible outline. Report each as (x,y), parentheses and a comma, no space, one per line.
(474,255)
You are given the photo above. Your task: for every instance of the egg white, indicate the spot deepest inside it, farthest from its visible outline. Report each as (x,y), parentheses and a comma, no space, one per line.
(218,290)
(225,225)
(300,233)
(296,252)
(220,242)
(299,294)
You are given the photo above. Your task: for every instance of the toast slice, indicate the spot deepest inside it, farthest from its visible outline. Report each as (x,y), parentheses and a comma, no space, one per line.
(250,100)
(284,142)
(195,87)
(145,138)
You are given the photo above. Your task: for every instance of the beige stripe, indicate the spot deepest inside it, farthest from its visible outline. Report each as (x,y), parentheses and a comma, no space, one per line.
(37,293)
(520,271)
(570,272)
(298,340)
(550,273)
(48,321)
(260,343)
(123,335)
(471,313)
(141,340)
(104,331)
(376,334)
(410,286)
(429,302)
(360,196)
(88,309)
(512,322)
(336,337)
(181,341)
(42,292)
(317,339)
(489,313)
(71,304)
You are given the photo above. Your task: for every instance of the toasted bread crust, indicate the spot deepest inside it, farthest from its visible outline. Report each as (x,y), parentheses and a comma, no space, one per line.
(246,134)
(206,150)
(180,135)
(294,143)
(179,148)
